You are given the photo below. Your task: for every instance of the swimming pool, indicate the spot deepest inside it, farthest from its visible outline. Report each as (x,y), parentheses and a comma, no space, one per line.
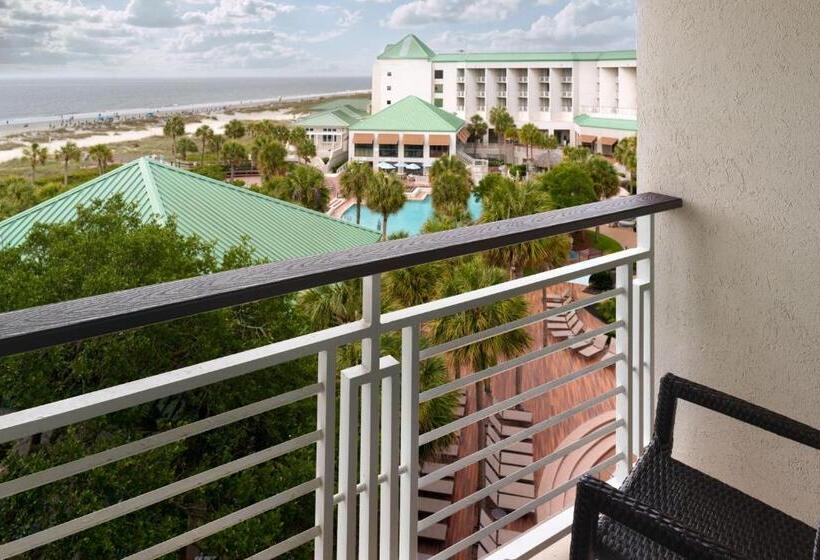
(410,218)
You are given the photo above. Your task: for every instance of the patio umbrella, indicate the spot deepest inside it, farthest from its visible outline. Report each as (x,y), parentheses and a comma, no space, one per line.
(401,165)
(413,166)
(385,165)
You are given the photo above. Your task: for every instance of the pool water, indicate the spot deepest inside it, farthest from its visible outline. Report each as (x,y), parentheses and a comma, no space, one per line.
(410,218)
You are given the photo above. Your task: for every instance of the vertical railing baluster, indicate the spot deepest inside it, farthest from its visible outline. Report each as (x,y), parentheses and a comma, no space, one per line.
(623,369)
(408,517)
(348,466)
(390,439)
(369,464)
(325,453)
(646,273)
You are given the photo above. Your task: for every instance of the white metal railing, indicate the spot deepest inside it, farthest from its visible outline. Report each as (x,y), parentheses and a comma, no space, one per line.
(375,498)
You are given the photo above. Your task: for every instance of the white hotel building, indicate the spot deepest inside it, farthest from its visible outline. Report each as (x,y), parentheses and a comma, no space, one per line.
(585,98)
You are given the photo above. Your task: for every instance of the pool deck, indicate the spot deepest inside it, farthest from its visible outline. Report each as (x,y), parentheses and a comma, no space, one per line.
(337,209)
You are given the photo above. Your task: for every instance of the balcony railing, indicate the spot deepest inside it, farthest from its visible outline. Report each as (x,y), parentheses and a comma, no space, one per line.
(367,480)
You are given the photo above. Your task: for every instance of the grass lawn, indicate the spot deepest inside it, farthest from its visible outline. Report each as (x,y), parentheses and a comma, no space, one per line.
(603,243)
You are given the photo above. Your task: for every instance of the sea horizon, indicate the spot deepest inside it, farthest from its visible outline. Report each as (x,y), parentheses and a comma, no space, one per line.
(34,99)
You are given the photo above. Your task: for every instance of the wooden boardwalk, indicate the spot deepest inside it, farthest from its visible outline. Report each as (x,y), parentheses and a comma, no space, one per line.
(554,366)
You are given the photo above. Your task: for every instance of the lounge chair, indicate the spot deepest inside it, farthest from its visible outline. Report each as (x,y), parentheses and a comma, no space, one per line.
(597,346)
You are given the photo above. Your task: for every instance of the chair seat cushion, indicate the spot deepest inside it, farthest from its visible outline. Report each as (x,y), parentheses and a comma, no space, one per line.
(704,504)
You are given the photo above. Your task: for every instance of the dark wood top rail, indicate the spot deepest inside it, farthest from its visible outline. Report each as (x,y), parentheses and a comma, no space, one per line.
(47,325)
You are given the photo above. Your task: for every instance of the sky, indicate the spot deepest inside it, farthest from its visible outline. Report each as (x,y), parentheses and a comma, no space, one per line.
(285,37)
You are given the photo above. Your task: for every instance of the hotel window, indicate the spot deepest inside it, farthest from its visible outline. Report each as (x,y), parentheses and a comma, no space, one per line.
(388,102)
(439,74)
(438,151)
(438,88)
(363,150)
(413,151)
(388,150)
(522,107)
(389,88)
(438,102)
(389,74)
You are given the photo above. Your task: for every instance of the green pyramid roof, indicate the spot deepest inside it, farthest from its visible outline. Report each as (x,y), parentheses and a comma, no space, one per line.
(411,114)
(409,48)
(214,210)
(341,117)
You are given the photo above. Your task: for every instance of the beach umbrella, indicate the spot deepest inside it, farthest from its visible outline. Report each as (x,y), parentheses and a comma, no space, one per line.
(401,165)
(384,165)
(413,166)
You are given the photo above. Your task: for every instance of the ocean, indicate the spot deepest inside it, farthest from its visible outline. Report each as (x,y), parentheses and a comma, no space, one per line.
(31,99)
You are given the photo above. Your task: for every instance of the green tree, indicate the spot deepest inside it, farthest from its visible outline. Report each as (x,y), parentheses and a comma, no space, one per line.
(385,195)
(264,127)
(297,135)
(568,184)
(68,153)
(234,129)
(305,149)
(626,153)
(354,182)
(577,154)
(235,154)
(530,136)
(269,157)
(451,184)
(205,134)
(102,154)
(477,128)
(186,145)
(108,248)
(502,122)
(305,186)
(173,128)
(16,194)
(605,180)
(35,155)
(473,274)
(281,133)
(216,143)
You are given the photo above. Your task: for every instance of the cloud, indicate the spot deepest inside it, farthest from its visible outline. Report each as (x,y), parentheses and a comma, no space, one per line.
(423,12)
(152,13)
(233,11)
(580,24)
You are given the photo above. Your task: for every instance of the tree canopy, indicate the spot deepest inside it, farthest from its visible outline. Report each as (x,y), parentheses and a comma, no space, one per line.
(568,184)
(109,248)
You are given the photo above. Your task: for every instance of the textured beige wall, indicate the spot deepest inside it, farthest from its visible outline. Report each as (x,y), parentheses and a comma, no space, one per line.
(730,121)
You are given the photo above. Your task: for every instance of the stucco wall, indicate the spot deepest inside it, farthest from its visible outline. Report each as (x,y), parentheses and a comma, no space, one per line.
(729,121)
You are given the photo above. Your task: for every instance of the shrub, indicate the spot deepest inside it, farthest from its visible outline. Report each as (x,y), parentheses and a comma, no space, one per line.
(602,281)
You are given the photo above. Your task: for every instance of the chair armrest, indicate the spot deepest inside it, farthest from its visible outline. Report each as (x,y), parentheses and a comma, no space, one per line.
(594,497)
(673,388)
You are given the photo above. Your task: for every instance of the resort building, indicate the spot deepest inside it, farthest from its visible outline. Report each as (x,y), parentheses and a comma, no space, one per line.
(276,230)
(328,130)
(408,135)
(580,97)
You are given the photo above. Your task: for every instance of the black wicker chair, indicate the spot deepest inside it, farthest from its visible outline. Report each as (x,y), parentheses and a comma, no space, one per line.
(669,511)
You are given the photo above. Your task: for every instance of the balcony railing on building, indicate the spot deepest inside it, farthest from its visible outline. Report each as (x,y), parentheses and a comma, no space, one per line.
(369,487)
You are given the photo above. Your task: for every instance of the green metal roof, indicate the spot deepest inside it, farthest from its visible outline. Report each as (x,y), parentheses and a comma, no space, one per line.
(213,210)
(614,124)
(535,56)
(409,48)
(359,103)
(411,114)
(341,117)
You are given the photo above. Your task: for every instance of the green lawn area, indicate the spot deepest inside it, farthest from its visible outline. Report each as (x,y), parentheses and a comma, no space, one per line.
(603,243)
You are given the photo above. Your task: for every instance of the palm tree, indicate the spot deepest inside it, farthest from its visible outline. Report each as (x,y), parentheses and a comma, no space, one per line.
(216,142)
(468,275)
(235,154)
(185,145)
(305,186)
(451,184)
(354,181)
(502,122)
(234,129)
(385,195)
(477,129)
(411,286)
(102,154)
(530,136)
(174,128)
(269,157)
(305,149)
(204,133)
(626,153)
(280,133)
(68,153)
(36,155)
(509,200)
(297,135)
(264,127)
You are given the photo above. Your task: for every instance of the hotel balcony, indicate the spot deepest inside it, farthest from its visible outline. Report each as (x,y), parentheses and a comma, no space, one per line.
(544,79)
(545,93)
(460,79)
(523,94)
(480,79)
(566,79)
(480,93)
(714,284)
(566,93)
(522,80)
(501,94)
(502,79)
